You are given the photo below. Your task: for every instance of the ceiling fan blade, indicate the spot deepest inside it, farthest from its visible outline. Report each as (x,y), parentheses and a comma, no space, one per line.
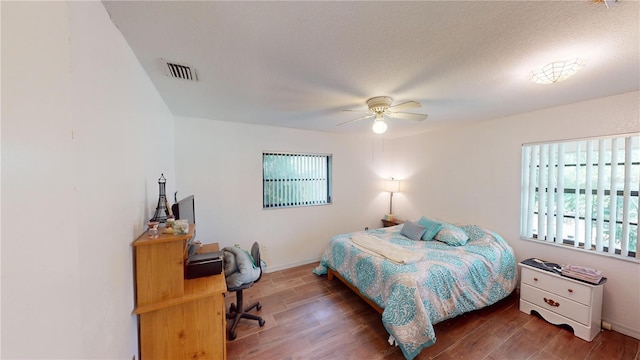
(353,110)
(408,116)
(360,118)
(405,105)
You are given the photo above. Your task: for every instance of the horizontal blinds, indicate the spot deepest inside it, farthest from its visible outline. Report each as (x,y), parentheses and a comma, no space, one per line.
(295,179)
(583,193)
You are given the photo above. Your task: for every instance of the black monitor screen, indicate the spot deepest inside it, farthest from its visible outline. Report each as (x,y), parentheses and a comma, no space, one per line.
(186,210)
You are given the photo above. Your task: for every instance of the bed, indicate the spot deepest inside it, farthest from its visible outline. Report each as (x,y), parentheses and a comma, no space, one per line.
(446,279)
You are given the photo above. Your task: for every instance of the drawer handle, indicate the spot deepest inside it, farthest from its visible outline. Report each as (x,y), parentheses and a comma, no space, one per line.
(570,290)
(551,302)
(535,279)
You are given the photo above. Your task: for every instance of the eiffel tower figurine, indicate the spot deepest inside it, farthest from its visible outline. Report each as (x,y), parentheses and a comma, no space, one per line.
(162,211)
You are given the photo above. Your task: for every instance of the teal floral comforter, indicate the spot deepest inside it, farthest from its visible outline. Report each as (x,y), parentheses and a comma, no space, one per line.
(450,281)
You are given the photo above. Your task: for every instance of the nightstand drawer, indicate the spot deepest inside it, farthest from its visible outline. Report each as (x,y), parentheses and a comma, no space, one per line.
(554,285)
(559,305)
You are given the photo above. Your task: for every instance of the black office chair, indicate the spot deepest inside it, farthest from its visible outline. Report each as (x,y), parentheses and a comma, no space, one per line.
(237,311)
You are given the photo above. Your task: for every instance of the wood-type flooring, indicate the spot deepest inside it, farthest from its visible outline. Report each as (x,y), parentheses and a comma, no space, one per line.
(309,317)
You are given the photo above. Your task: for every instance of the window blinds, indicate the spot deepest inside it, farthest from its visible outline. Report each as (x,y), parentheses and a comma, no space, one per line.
(583,193)
(295,179)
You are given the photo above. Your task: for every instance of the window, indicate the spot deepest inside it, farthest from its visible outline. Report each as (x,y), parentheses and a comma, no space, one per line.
(295,179)
(583,193)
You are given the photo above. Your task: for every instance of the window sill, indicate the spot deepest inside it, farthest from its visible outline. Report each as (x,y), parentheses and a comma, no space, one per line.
(584,251)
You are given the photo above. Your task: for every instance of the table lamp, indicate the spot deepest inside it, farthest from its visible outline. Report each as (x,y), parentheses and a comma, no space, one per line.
(391,186)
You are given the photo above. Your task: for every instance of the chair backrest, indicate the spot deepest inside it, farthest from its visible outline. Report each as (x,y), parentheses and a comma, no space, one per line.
(255,253)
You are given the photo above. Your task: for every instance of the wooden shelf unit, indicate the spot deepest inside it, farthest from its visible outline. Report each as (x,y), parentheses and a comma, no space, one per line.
(179,318)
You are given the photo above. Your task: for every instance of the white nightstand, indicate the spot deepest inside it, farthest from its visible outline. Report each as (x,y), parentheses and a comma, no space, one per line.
(562,300)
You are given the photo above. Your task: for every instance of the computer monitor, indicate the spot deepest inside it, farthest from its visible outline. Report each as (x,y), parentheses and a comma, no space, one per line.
(186,209)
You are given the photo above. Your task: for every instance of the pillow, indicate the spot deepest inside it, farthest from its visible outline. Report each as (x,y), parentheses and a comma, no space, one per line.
(474,232)
(452,235)
(431,228)
(412,230)
(240,267)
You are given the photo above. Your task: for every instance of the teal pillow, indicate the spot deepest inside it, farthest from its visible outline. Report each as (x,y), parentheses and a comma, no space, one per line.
(452,235)
(412,230)
(474,232)
(431,228)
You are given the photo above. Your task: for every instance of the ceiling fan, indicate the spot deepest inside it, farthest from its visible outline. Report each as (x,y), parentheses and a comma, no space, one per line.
(380,106)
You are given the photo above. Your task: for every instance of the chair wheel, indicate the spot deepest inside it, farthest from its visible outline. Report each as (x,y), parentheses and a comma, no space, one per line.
(232,335)
(258,307)
(232,308)
(261,322)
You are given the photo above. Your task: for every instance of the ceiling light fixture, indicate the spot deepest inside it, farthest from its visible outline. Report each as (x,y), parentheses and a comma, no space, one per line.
(556,71)
(379,126)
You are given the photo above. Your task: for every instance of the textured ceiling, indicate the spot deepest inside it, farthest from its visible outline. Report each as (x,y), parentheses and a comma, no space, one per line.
(298,64)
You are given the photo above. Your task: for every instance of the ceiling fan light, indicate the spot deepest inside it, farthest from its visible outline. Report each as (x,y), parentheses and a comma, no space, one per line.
(379,126)
(556,71)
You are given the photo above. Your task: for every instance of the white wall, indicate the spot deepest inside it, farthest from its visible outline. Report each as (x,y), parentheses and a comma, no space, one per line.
(85,137)
(221,163)
(472,175)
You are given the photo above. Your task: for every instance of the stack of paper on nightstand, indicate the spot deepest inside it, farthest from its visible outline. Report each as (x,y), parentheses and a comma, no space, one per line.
(582,273)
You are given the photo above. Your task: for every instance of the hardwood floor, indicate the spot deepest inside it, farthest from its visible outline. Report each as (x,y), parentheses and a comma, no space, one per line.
(309,317)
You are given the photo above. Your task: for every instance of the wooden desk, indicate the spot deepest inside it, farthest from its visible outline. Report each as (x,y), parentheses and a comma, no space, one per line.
(178,318)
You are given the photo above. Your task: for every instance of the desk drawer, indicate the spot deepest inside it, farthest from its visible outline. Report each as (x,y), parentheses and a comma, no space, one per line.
(557,304)
(557,285)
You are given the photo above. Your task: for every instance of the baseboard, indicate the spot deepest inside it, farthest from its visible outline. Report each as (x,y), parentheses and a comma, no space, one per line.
(287,266)
(623,329)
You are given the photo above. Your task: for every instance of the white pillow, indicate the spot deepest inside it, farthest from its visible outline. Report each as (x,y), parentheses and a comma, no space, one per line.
(452,235)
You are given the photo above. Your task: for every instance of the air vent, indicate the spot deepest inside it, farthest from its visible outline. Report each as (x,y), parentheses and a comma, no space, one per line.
(180,71)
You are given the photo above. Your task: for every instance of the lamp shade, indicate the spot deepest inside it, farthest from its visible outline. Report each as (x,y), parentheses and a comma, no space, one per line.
(392,186)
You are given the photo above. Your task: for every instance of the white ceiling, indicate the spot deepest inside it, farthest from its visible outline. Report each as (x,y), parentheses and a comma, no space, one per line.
(298,64)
